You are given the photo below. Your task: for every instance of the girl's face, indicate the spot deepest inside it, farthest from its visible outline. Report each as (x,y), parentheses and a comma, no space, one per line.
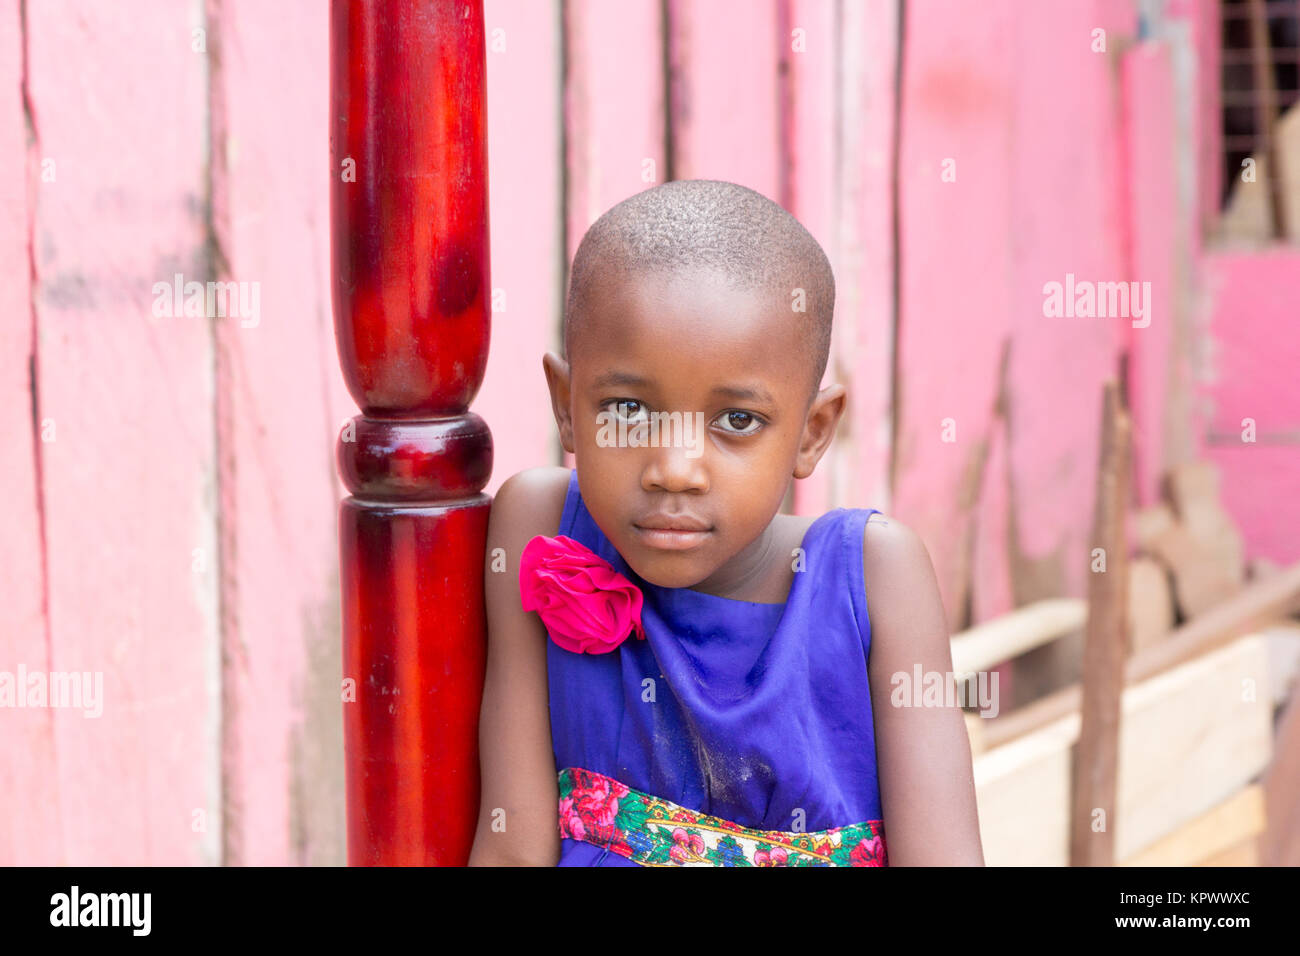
(729,360)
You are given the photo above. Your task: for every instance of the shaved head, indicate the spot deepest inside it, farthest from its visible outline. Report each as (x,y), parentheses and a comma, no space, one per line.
(694,224)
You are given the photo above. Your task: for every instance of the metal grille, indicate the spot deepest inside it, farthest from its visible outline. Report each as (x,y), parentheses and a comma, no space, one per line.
(1260,79)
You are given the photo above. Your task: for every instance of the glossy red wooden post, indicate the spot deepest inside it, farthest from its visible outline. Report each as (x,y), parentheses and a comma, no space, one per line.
(408,148)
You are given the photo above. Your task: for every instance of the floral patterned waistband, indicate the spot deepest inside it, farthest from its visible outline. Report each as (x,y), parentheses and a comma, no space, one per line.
(653,831)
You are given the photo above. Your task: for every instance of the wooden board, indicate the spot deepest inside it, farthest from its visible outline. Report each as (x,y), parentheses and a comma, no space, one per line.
(845,198)
(1251,306)
(120,104)
(988,644)
(1280,845)
(280,404)
(525,115)
(1245,853)
(1260,605)
(616,137)
(1187,742)
(29,792)
(724,58)
(1238,820)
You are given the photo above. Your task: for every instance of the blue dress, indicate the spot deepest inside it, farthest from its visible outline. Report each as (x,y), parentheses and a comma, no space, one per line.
(757,713)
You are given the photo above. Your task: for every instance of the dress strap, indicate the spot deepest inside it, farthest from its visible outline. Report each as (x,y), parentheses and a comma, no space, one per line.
(653,831)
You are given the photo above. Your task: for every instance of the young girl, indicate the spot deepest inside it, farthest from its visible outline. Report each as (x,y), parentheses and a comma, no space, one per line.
(677,673)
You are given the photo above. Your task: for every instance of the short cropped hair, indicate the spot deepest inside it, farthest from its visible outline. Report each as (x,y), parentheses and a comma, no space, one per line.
(692,223)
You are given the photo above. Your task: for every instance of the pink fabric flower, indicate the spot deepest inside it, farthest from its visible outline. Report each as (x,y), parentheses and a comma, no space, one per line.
(587,606)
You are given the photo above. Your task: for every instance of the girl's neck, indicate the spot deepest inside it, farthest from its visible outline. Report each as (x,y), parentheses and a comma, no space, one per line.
(764,571)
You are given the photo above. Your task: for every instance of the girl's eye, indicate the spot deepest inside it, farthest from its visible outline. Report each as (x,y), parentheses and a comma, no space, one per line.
(741,423)
(627,409)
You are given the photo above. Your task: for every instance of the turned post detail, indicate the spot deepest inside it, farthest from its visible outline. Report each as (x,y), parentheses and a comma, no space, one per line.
(409,216)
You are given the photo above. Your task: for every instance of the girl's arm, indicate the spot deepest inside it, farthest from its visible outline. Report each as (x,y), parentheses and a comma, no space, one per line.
(927,787)
(518,822)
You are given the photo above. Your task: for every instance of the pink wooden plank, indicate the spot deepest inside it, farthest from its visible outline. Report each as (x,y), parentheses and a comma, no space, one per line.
(614,96)
(281,399)
(1150,153)
(724,56)
(954,287)
(1067,217)
(29,792)
(1015,97)
(120,107)
(857,231)
(991,589)
(1253,354)
(807,45)
(615,101)
(1204,20)
(527,220)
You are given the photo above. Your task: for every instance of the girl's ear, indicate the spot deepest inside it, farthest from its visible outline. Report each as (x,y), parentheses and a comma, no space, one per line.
(556,370)
(823,417)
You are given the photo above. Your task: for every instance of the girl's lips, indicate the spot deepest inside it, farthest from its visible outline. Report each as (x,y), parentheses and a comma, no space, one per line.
(671,540)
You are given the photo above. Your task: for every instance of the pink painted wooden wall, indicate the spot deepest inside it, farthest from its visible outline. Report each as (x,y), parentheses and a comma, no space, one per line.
(171,480)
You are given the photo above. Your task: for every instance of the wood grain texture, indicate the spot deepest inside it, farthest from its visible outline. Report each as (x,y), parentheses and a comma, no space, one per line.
(1150,144)
(957,95)
(724,92)
(281,402)
(128,481)
(1236,821)
(526,208)
(616,125)
(1252,352)
(1107,642)
(29,787)
(859,139)
(1189,739)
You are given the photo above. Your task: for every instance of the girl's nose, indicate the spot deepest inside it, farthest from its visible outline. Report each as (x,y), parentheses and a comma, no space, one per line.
(676,469)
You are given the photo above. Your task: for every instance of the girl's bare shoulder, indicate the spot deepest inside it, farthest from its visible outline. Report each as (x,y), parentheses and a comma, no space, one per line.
(901,585)
(888,545)
(528,503)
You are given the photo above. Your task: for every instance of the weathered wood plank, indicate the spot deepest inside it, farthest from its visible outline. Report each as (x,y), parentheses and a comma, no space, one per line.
(1067,211)
(617,121)
(858,230)
(1150,145)
(128,479)
(526,208)
(724,92)
(1252,407)
(29,787)
(807,48)
(955,196)
(1237,820)
(1107,643)
(1189,739)
(281,400)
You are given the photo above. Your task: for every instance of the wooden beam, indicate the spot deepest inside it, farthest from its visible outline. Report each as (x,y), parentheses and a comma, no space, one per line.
(1189,739)
(1258,605)
(1106,645)
(1238,819)
(1280,845)
(1245,853)
(986,645)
